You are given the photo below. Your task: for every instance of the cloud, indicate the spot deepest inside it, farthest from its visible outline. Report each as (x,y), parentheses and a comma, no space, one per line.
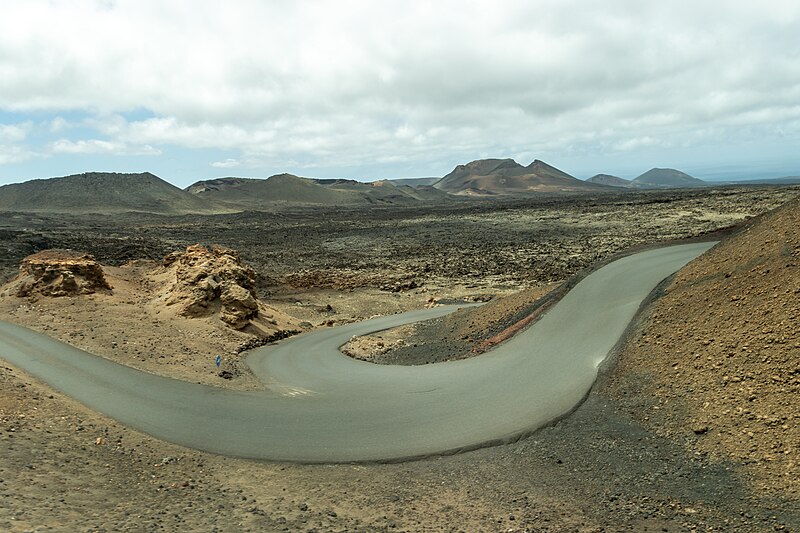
(95,146)
(332,84)
(13,133)
(12,147)
(632,144)
(58,124)
(227,163)
(14,154)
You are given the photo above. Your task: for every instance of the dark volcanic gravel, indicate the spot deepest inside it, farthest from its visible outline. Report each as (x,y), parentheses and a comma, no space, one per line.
(513,241)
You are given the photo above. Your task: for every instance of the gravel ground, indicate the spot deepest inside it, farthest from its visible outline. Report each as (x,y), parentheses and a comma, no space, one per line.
(628,459)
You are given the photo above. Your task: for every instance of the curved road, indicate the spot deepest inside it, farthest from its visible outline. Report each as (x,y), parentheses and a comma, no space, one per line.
(320,406)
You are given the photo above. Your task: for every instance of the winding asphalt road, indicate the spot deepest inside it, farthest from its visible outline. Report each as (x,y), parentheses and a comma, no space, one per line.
(320,406)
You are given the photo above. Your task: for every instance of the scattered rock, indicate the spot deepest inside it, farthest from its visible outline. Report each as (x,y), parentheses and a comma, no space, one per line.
(257,342)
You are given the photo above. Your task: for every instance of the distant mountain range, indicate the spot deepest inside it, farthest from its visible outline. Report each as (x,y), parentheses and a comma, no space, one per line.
(289,189)
(104,192)
(786,180)
(655,178)
(415,182)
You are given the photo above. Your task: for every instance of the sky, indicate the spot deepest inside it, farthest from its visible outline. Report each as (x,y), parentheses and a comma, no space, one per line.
(191,90)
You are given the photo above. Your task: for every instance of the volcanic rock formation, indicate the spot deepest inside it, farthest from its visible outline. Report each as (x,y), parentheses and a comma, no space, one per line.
(207,281)
(59,273)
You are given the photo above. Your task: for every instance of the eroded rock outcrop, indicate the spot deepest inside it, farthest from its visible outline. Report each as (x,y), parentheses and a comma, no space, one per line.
(205,281)
(59,273)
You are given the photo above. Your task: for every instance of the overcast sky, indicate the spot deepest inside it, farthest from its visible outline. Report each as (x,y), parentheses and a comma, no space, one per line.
(196,89)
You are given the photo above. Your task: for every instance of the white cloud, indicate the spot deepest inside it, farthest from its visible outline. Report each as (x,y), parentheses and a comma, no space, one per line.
(12,143)
(227,163)
(14,154)
(95,146)
(632,144)
(58,124)
(338,84)
(14,133)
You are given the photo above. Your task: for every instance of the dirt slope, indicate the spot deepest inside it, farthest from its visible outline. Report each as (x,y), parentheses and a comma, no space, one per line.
(717,366)
(466,333)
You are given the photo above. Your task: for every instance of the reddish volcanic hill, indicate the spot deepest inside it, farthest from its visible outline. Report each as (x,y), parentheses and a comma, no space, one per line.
(487,177)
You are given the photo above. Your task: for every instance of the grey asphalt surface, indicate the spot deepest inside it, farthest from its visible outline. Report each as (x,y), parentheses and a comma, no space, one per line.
(321,406)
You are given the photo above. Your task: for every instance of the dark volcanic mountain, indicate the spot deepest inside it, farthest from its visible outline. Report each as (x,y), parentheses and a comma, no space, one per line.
(251,193)
(488,177)
(101,192)
(608,179)
(657,178)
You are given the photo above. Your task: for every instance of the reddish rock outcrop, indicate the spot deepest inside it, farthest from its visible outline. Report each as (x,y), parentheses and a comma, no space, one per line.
(208,281)
(60,273)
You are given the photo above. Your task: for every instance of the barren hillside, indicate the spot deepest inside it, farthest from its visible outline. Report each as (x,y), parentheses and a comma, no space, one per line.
(717,366)
(287,189)
(657,178)
(607,179)
(101,192)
